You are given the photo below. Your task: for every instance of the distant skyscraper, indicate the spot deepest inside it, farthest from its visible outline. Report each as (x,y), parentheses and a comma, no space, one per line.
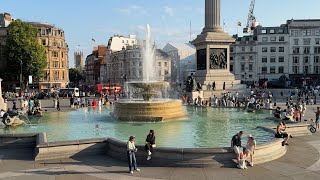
(78,60)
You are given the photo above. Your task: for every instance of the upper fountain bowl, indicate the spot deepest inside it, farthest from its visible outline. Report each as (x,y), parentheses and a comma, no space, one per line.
(148,88)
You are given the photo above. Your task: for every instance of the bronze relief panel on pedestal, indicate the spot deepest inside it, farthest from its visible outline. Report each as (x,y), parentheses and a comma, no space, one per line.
(218,58)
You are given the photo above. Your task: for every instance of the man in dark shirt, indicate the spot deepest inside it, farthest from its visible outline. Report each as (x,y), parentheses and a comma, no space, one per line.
(236,145)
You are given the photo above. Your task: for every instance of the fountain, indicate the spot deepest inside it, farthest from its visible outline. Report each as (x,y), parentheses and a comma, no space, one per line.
(148,109)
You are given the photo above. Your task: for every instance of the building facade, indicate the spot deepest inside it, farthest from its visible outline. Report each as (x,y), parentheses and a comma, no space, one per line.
(183,60)
(127,65)
(93,65)
(118,42)
(57,70)
(244,58)
(304,55)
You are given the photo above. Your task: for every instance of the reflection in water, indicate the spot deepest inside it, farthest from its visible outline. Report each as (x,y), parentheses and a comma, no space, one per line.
(205,127)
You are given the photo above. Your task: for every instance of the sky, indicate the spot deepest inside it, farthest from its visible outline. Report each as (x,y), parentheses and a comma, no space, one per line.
(170,20)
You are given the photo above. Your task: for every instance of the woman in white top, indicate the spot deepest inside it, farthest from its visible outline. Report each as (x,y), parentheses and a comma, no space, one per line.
(131,149)
(250,147)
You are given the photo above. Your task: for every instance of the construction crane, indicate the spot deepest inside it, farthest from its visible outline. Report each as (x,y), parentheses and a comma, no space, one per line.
(251,22)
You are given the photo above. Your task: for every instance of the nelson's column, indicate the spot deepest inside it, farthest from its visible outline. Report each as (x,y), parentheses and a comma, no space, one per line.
(213,50)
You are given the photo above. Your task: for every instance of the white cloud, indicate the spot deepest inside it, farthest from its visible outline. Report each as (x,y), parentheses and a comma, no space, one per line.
(168,11)
(133,9)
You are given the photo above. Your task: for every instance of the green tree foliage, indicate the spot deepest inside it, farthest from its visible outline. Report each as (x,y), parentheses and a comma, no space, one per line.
(22,46)
(75,75)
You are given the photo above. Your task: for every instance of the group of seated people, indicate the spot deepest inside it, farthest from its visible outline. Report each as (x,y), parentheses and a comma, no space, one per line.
(290,113)
(35,111)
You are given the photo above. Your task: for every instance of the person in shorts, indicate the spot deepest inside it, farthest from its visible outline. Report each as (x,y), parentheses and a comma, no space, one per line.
(281,133)
(237,147)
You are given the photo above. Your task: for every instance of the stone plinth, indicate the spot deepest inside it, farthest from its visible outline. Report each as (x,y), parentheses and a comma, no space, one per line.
(213,50)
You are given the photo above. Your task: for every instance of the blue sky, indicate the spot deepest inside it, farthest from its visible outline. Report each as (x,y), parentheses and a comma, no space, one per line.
(169,19)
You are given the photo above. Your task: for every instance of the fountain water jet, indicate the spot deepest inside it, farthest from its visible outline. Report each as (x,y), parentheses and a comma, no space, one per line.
(148,109)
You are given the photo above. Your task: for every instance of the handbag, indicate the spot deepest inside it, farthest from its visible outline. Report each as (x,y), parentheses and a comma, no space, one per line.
(153,145)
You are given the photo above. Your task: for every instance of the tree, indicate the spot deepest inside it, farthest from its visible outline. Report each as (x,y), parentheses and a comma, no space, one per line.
(23,47)
(75,75)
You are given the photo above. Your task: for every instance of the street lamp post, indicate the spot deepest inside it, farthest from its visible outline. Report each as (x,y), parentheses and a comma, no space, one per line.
(21,76)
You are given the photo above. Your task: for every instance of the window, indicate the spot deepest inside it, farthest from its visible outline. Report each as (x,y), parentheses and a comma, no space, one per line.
(55,54)
(62,54)
(166,72)
(281,38)
(62,63)
(280,69)
(296,50)
(306,69)
(264,70)
(44,42)
(242,76)
(160,73)
(295,33)
(273,38)
(316,59)
(242,58)
(264,39)
(140,73)
(271,31)
(250,67)
(264,31)
(140,63)
(243,49)
(295,69)
(316,69)
(250,58)
(272,70)
(295,59)
(317,32)
(165,64)
(250,76)
(122,41)
(306,59)
(306,50)
(56,75)
(296,41)
(54,43)
(317,49)
(251,48)
(231,49)
(231,67)
(43,32)
(280,31)
(317,41)
(281,59)
(273,49)
(305,32)
(139,54)
(281,49)
(231,58)
(159,64)
(264,49)
(306,41)
(273,59)
(264,59)
(242,67)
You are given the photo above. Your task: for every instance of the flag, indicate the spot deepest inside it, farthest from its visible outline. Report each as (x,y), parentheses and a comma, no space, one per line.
(239,23)
(93,40)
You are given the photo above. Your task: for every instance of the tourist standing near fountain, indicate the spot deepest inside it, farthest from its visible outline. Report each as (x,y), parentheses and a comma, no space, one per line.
(131,150)
(3,105)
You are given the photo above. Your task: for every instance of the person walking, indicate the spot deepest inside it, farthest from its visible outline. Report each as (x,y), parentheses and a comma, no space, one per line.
(224,86)
(131,150)
(150,143)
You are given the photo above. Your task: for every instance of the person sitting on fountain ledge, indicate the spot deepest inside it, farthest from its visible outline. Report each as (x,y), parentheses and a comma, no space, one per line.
(237,148)
(150,143)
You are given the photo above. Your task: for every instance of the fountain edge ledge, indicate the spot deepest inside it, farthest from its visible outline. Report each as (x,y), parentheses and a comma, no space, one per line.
(44,150)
